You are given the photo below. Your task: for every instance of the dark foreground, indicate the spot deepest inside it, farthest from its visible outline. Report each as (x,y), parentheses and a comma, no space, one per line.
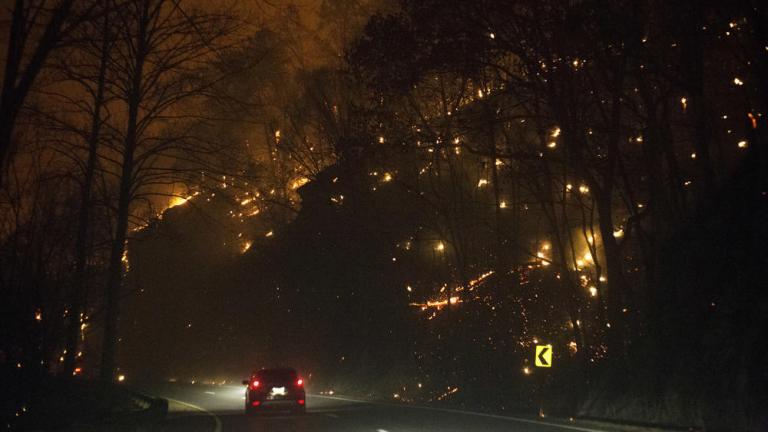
(220,408)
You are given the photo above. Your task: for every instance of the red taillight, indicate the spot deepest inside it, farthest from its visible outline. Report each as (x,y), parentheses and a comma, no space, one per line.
(300,382)
(256,403)
(254,384)
(301,401)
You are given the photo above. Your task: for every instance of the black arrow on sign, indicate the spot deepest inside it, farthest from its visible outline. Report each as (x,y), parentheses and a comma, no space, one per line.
(541,356)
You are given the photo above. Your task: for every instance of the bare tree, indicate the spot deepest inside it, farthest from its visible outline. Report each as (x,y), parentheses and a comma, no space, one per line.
(90,72)
(36,29)
(159,66)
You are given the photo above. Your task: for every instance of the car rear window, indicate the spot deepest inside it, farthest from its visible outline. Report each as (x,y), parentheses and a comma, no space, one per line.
(276,375)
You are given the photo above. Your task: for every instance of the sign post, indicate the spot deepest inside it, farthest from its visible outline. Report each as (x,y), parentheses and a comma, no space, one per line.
(543,359)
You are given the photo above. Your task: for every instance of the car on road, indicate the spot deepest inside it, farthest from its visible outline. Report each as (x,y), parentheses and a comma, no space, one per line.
(276,389)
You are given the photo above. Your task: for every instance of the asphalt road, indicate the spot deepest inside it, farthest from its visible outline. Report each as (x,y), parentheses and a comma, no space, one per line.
(206,408)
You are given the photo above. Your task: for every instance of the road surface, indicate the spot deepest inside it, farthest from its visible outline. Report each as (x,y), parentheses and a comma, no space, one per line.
(204,408)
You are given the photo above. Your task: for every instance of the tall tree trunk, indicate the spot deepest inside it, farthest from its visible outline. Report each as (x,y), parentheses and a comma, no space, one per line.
(18,83)
(757,12)
(502,257)
(617,286)
(693,67)
(77,290)
(8,98)
(115,271)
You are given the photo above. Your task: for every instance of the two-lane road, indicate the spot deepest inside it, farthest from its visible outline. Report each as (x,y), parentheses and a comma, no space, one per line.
(220,408)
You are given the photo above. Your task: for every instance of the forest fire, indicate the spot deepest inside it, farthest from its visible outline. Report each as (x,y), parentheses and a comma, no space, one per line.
(180,201)
(452,300)
(457,181)
(437,304)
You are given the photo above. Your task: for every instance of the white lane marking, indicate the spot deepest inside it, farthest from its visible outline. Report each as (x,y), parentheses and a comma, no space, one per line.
(477,414)
(349,400)
(216,420)
(381,430)
(210,393)
(331,415)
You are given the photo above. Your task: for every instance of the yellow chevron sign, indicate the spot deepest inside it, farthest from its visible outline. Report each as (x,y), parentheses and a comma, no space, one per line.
(543,356)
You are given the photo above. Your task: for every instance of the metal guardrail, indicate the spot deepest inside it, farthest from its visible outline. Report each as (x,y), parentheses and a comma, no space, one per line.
(150,405)
(149,412)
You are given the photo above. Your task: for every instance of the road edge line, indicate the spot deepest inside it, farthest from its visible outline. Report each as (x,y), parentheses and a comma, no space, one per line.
(473,413)
(217,421)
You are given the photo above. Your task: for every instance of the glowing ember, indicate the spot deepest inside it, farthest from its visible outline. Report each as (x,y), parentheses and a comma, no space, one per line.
(177,201)
(573,347)
(588,257)
(437,304)
(752,120)
(299,182)
(448,393)
(125,261)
